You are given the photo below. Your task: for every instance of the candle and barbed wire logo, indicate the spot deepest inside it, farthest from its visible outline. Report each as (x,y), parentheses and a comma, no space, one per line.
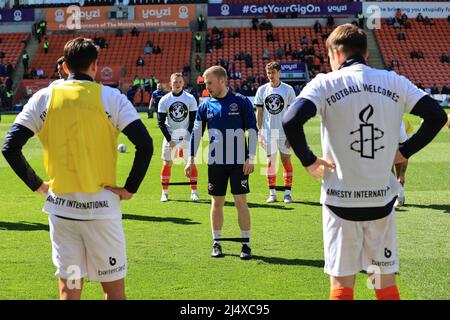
(368,135)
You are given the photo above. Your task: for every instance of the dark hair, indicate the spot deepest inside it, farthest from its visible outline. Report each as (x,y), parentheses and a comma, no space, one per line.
(348,39)
(80,53)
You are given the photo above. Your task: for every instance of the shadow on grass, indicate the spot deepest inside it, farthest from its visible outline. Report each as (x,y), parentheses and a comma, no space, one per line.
(175,220)
(23,226)
(286,262)
(250,204)
(439,207)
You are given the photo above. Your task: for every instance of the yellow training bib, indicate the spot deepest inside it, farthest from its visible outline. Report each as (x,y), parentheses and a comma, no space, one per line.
(80,143)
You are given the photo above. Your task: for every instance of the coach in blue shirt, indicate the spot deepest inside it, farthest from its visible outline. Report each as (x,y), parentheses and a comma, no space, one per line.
(228,115)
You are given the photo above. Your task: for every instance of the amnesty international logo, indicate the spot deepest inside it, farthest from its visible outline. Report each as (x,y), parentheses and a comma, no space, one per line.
(274,103)
(368,134)
(178,111)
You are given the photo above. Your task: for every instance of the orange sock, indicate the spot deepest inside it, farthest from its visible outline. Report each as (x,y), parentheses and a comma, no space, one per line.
(389,293)
(194,178)
(341,294)
(287,174)
(165,176)
(271,177)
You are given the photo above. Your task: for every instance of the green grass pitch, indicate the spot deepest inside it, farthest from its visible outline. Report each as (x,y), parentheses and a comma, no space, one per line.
(169,244)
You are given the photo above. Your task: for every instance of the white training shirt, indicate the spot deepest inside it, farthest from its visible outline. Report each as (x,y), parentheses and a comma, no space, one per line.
(274,102)
(177,109)
(361,112)
(81,205)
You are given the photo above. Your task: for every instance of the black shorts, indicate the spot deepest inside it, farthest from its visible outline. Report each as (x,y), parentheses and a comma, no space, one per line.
(218,176)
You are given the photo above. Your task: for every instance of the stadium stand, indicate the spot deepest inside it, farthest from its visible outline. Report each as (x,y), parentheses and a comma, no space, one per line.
(125,50)
(254,41)
(433,41)
(12,45)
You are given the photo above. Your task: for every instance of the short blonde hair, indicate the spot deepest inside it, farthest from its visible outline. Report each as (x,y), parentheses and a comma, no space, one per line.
(218,71)
(348,39)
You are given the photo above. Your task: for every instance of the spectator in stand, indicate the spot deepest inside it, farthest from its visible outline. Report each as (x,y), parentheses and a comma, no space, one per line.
(428,22)
(148,49)
(269,36)
(238,75)
(398,14)
(266,54)
(134,32)
(25,60)
(304,40)
(198,42)
(401,36)
(9,69)
(316,63)
(251,78)
(394,63)
(280,53)
(360,17)
(198,63)
(2,70)
(420,86)
(255,24)
(445,89)
(419,18)
(248,61)
(434,89)
(140,62)
(403,19)
(40,73)
(317,27)
(252,90)
(445,58)
(205,93)
(330,21)
(396,24)
(287,48)
(200,21)
(315,41)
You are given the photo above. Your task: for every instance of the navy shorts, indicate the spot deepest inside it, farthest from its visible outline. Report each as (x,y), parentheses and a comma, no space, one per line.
(218,176)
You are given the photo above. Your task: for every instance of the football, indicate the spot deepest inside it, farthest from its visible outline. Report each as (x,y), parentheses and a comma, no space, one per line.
(122,148)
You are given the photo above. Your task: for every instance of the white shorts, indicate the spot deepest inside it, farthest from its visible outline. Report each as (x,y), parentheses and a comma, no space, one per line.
(171,154)
(353,246)
(88,248)
(275,144)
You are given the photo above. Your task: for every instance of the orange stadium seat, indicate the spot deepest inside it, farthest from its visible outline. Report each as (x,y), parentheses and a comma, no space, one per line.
(431,40)
(125,50)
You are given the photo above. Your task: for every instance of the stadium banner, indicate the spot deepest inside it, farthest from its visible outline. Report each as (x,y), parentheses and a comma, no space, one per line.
(97,18)
(108,74)
(300,9)
(16,15)
(169,16)
(293,71)
(412,9)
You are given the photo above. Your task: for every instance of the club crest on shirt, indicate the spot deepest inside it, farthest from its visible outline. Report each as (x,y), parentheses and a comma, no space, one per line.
(274,103)
(234,107)
(178,111)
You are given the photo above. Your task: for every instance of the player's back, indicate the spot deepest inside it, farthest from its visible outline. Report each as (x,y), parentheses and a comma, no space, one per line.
(361,110)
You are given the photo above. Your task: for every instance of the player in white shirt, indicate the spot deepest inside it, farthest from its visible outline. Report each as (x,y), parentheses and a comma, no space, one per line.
(272,100)
(176,116)
(361,111)
(406,132)
(82,200)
